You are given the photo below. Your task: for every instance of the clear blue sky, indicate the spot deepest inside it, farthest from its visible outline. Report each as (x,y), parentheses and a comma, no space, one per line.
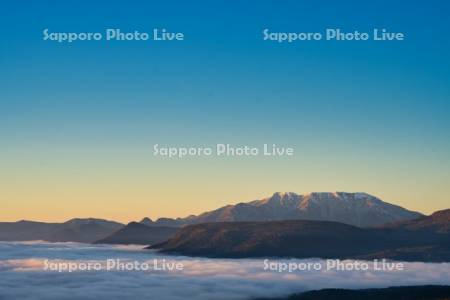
(363,116)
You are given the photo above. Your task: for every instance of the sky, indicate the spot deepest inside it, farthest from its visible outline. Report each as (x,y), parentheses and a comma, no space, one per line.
(78,121)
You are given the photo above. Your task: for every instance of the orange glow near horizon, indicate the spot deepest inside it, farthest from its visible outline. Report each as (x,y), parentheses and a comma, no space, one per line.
(48,187)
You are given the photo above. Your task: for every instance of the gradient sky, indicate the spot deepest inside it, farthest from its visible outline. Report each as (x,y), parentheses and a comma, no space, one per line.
(78,121)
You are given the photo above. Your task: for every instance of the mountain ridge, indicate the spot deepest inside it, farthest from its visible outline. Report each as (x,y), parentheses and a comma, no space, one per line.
(139,234)
(307,238)
(417,292)
(85,230)
(359,209)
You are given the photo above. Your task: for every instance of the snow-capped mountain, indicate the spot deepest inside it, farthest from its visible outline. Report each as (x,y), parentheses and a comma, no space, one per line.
(359,209)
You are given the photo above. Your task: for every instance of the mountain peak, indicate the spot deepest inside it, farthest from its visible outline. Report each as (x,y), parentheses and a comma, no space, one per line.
(283,194)
(91,223)
(146,221)
(438,222)
(359,209)
(441,215)
(82,221)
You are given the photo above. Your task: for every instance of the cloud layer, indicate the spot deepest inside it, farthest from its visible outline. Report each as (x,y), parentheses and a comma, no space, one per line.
(23,277)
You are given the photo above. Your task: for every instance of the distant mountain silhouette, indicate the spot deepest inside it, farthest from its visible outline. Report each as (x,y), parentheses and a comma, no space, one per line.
(139,233)
(359,209)
(425,292)
(75,230)
(426,238)
(302,239)
(147,221)
(296,238)
(438,222)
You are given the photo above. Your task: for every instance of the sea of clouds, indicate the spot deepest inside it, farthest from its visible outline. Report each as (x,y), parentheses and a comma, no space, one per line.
(22,275)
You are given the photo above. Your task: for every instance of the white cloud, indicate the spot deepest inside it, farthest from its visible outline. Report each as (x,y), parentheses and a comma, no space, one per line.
(22,276)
